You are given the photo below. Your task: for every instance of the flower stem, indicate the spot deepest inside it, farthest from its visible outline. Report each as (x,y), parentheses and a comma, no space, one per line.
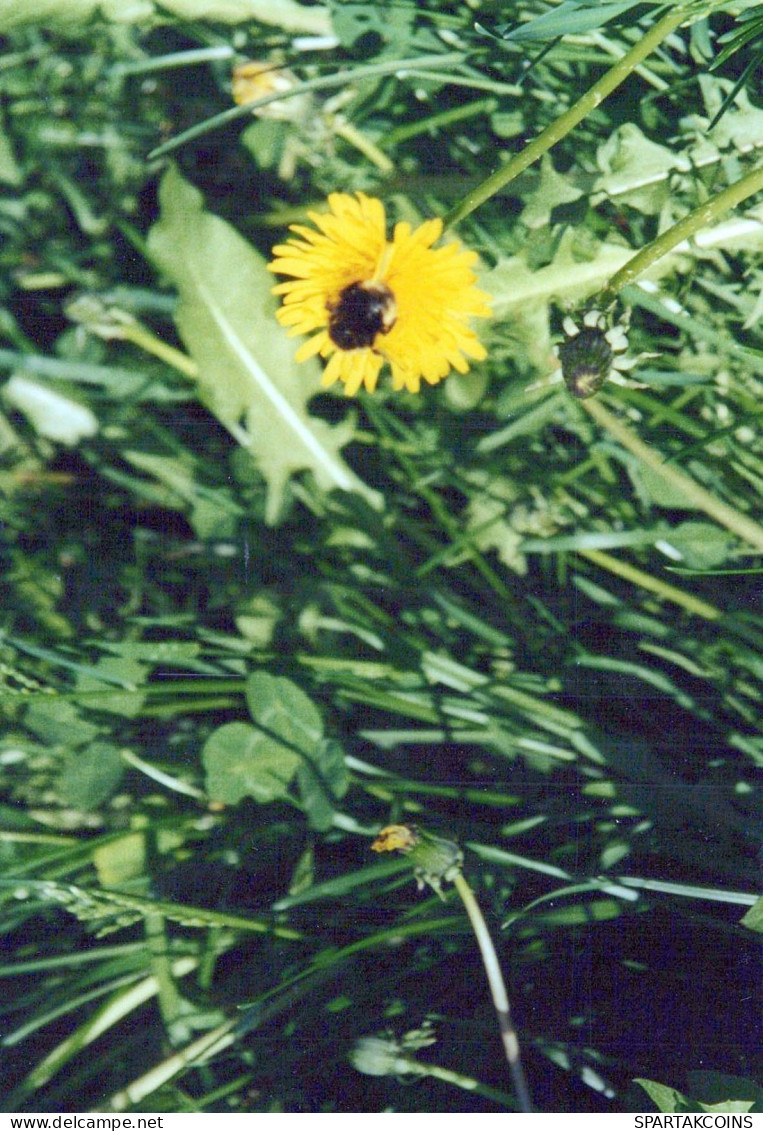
(571,118)
(448,1076)
(344,77)
(728,516)
(497,990)
(112,324)
(354,137)
(700,217)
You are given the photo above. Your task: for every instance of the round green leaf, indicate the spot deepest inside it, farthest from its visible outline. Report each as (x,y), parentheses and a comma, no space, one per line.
(242,761)
(281,708)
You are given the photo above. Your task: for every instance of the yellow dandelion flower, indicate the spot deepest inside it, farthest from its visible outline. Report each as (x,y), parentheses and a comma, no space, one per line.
(373,300)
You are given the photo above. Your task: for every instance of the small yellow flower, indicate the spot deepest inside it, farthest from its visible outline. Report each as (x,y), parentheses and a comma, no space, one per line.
(373,300)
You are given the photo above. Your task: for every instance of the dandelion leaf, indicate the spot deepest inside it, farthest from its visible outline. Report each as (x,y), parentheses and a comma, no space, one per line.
(286,14)
(248,377)
(635,170)
(554,189)
(571,276)
(488,528)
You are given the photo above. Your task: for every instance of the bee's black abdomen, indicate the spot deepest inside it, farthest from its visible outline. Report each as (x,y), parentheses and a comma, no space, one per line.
(362,311)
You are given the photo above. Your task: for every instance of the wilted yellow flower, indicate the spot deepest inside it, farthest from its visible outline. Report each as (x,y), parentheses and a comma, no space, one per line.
(401,838)
(254,79)
(373,300)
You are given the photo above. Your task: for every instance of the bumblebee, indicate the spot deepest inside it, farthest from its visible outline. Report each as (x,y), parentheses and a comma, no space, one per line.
(362,311)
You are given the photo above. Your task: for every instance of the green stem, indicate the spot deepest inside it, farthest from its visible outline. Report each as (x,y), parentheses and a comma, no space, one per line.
(346,77)
(497,990)
(388,789)
(353,136)
(653,584)
(145,340)
(175,59)
(167,994)
(213,948)
(728,516)
(700,217)
(168,780)
(468,1083)
(438,121)
(203,1047)
(437,506)
(571,118)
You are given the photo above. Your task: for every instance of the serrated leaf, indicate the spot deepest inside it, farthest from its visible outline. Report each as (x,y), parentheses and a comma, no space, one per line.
(241,761)
(488,527)
(553,189)
(516,288)
(740,128)
(635,169)
(286,14)
(248,377)
(392,23)
(578,270)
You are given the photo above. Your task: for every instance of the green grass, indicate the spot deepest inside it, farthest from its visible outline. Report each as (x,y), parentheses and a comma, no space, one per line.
(247,622)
